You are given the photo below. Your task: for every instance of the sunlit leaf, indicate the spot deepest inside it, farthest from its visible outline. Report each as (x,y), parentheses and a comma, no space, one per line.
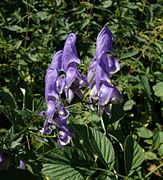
(144,132)
(150,155)
(129,105)
(158,89)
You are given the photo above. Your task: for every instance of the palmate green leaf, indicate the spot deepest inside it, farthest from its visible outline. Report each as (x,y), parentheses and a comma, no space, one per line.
(61,171)
(133,155)
(104,176)
(66,164)
(102,147)
(96,144)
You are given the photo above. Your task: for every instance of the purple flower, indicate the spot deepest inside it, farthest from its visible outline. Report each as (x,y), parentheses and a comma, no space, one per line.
(22,165)
(52,74)
(73,80)
(102,67)
(63,75)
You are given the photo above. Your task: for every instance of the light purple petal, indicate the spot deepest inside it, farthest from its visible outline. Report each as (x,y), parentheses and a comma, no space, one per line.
(50,84)
(51,108)
(70,57)
(56,61)
(69,95)
(94,93)
(104,42)
(101,77)
(71,75)
(108,94)
(60,84)
(22,165)
(63,113)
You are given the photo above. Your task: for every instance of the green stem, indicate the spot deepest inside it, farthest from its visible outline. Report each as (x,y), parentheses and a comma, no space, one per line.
(21,132)
(103,125)
(151,172)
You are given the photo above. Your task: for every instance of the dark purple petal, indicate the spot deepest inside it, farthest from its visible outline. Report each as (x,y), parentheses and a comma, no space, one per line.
(82,80)
(104,42)
(46,129)
(107,109)
(78,92)
(64,136)
(113,65)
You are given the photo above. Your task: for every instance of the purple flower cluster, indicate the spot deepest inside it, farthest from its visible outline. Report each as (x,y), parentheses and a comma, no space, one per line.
(101,68)
(62,76)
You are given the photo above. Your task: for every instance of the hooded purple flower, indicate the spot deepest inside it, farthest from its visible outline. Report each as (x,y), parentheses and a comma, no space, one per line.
(51,93)
(102,67)
(62,76)
(74,80)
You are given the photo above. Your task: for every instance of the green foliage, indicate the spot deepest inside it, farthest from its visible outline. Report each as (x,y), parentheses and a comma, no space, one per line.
(133,156)
(127,145)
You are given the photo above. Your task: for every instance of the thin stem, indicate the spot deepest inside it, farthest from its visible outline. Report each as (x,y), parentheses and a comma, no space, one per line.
(103,125)
(44,136)
(151,172)
(28,144)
